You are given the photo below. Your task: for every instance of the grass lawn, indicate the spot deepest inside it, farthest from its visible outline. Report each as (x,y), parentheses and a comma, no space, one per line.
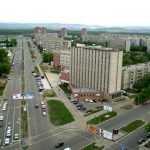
(49,93)
(93,147)
(2,85)
(24,120)
(58,113)
(133,126)
(102,118)
(1,91)
(94,110)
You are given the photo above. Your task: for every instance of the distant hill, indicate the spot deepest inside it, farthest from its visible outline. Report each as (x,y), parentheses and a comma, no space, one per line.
(57,26)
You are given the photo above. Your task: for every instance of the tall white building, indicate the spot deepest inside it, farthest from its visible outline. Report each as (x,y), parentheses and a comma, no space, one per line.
(96,69)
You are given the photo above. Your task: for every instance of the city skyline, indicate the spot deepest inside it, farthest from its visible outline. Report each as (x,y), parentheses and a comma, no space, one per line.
(103,13)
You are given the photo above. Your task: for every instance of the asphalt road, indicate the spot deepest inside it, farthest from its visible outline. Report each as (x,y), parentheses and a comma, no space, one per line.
(12,114)
(138,113)
(130,142)
(37,123)
(40,137)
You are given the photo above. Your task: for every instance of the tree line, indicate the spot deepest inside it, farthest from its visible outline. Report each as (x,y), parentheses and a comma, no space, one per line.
(4,62)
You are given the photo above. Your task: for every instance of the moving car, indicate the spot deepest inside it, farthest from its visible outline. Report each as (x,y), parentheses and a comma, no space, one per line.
(58,145)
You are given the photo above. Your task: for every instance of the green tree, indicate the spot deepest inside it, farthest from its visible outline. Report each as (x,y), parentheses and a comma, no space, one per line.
(47,57)
(4,62)
(4,68)
(147,127)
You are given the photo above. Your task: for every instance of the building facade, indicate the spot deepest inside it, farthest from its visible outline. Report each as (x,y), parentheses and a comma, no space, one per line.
(96,69)
(133,73)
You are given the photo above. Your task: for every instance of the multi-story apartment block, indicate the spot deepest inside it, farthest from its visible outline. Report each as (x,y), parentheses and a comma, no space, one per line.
(133,73)
(62,58)
(48,41)
(65,55)
(96,70)
(63,32)
(148,45)
(116,40)
(40,30)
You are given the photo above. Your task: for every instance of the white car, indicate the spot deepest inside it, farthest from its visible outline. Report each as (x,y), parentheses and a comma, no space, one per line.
(16,136)
(7,141)
(67,148)
(1,117)
(43,106)
(42,103)
(8,133)
(91,101)
(44,113)
(4,108)
(9,128)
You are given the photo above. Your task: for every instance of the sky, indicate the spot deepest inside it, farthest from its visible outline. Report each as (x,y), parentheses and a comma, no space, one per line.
(90,12)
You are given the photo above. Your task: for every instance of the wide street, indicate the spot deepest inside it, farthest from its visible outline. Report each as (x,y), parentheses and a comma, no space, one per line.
(130,142)
(41,133)
(12,112)
(40,130)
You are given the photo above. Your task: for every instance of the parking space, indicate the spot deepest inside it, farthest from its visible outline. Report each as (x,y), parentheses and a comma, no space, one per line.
(41,82)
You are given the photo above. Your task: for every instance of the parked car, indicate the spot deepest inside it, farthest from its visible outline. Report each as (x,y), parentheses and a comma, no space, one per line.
(43,106)
(16,136)
(42,77)
(36,105)
(94,100)
(44,113)
(75,102)
(1,124)
(58,145)
(148,135)
(83,108)
(141,140)
(8,134)
(67,148)
(7,141)
(1,117)
(42,103)
(79,105)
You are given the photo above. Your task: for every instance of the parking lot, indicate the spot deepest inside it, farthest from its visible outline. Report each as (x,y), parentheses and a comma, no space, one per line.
(85,107)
